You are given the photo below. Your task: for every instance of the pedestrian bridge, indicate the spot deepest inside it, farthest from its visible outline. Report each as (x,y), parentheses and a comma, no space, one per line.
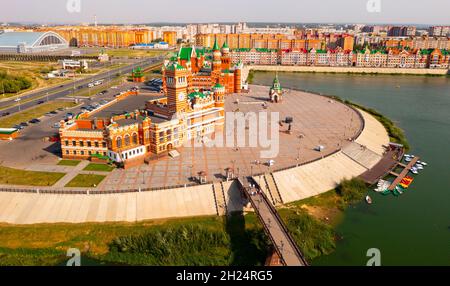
(277,231)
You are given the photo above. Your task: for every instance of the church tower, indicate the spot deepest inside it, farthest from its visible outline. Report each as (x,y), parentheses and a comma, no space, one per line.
(276,92)
(217,58)
(177,84)
(226,58)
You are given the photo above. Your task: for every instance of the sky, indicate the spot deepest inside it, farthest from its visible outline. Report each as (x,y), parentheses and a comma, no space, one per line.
(435,12)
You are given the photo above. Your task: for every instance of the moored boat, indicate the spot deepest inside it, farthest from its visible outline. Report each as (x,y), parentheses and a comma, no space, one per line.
(369,200)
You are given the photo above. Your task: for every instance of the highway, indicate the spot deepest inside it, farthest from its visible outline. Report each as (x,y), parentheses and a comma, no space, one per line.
(10,106)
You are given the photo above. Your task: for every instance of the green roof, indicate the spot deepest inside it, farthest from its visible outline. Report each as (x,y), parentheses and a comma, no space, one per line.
(225,45)
(185,53)
(175,66)
(8,131)
(216,46)
(196,94)
(218,85)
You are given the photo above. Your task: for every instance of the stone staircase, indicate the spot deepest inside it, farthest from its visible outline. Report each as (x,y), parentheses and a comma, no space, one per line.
(219,197)
(272,186)
(361,155)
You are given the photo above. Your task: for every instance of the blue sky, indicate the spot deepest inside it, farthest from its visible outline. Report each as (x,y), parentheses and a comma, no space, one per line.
(191,11)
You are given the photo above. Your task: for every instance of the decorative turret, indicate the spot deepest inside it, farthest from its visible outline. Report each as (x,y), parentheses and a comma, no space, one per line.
(226,59)
(217,58)
(137,75)
(219,95)
(225,48)
(177,83)
(276,92)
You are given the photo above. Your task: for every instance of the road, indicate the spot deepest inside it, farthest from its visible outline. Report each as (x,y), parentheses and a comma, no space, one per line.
(67,88)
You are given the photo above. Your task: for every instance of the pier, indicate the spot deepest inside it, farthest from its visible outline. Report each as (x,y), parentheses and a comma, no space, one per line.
(402,175)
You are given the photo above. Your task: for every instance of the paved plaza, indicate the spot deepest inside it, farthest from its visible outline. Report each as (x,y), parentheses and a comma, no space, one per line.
(317,121)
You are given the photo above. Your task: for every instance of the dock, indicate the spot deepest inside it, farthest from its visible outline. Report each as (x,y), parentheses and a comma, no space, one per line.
(403,174)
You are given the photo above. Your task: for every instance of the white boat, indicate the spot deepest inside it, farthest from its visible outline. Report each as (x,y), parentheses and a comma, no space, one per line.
(419,167)
(407,155)
(408,159)
(369,200)
(415,172)
(423,163)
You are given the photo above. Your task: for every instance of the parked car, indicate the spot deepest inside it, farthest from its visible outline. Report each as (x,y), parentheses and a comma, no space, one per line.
(40,102)
(34,121)
(18,127)
(5,113)
(53,112)
(56,125)
(69,116)
(24,124)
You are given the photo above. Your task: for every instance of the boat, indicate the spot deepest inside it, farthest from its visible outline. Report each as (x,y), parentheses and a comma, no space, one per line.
(414,171)
(407,155)
(399,189)
(408,159)
(385,192)
(369,200)
(396,192)
(419,167)
(424,163)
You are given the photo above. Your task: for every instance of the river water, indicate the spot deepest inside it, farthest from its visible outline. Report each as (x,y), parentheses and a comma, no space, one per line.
(413,229)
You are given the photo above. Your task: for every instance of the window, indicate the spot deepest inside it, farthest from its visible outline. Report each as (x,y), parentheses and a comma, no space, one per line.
(81,143)
(161,134)
(89,144)
(74,152)
(104,144)
(119,142)
(67,152)
(96,144)
(135,138)
(90,153)
(127,140)
(82,153)
(66,143)
(74,143)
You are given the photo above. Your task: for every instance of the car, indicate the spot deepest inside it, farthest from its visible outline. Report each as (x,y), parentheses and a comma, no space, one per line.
(5,113)
(60,109)
(91,85)
(17,99)
(69,116)
(18,127)
(53,112)
(56,125)
(24,124)
(34,121)
(103,102)
(114,87)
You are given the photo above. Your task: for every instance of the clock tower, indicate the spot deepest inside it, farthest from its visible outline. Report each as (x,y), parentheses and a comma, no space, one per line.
(177,86)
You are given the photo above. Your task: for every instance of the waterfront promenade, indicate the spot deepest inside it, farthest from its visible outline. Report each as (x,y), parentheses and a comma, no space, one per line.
(352,70)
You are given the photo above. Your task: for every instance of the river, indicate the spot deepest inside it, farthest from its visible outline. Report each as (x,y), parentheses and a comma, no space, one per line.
(413,229)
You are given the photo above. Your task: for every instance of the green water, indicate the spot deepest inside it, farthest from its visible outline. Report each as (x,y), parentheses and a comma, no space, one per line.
(413,229)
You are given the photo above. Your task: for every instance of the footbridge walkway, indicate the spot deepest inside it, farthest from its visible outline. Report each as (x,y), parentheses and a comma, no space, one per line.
(278,233)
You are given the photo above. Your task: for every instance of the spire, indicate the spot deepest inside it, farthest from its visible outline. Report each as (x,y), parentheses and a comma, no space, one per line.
(225,45)
(216,46)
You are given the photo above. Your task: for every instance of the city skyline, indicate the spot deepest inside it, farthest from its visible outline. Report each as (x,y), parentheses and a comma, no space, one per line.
(127,12)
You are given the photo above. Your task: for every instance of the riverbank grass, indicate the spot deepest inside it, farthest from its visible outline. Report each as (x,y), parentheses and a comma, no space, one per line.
(85,181)
(9,176)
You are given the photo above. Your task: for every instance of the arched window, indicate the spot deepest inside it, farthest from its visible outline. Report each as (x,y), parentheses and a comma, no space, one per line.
(135,138)
(127,140)
(119,142)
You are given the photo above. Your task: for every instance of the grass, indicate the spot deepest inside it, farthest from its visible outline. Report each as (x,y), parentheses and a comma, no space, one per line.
(352,191)
(85,181)
(9,176)
(99,167)
(125,52)
(32,70)
(72,163)
(190,241)
(34,112)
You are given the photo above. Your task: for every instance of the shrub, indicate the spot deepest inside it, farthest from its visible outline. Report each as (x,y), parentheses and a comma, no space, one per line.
(352,190)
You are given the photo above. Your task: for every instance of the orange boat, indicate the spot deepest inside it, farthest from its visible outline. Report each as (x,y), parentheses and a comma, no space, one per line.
(406,182)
